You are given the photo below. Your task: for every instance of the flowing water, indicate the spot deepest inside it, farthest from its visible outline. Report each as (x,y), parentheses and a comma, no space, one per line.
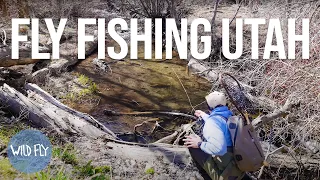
(143,85)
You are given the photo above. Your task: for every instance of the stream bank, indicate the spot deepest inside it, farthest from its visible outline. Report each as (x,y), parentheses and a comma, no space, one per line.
(129,86)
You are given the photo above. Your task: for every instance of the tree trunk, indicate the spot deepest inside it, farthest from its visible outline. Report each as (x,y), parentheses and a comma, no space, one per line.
(214,41)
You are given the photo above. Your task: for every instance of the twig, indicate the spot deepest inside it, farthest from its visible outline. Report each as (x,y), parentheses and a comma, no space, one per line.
(168,139)
(314,12)
(262,168)
(183,132)
(155,120)
(184,89)
(214,13)
(240,4)
(4,38)
(274,151)
(93,177)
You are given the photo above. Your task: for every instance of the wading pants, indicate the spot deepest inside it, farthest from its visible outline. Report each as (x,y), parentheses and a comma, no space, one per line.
(216,167)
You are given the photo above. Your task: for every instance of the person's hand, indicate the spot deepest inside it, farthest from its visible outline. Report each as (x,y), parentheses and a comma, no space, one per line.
(192,141)
(199,113)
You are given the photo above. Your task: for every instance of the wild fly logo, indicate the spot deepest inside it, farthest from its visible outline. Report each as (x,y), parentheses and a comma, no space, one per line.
(29,151)
(25,150)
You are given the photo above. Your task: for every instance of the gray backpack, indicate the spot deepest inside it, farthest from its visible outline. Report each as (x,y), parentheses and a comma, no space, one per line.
(247,150)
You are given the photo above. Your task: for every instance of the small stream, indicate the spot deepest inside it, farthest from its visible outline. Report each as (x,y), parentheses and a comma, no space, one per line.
(143,85)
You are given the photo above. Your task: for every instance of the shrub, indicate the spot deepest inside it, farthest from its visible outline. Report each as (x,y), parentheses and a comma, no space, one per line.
(150,171)
(89,170)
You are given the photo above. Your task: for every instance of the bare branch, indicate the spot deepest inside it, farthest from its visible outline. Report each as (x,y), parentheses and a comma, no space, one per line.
(282,112)
(168,139)
(235,15)
(4,37)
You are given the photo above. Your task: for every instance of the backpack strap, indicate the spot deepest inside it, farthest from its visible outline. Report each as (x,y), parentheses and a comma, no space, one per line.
(232,125)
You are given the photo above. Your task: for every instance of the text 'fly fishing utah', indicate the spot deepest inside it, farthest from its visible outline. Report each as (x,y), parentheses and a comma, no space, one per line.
(180,37)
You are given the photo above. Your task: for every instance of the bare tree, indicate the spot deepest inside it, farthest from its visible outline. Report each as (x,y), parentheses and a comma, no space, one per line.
(4,8)
(23,8)
(214,44)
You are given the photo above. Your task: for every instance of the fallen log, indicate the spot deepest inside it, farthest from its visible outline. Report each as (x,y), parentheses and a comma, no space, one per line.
(25,48)
(68,53)
(280,160)
(285,110)
(149,113)
(202,70)
(52,100)
(180,154)
(24,56)
(43,113)
(15,102)
(152,152)
(156,152)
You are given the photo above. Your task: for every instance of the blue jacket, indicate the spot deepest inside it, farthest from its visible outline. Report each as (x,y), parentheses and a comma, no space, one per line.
(215,131)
